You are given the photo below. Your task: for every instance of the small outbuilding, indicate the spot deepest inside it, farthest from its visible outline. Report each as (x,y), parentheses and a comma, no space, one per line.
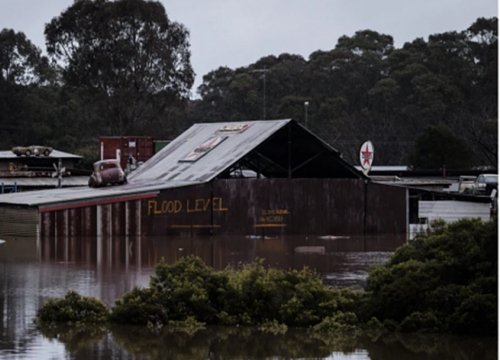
(36,172)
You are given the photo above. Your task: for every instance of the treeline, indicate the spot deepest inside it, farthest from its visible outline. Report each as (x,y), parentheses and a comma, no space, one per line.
(123,67)
(445,282)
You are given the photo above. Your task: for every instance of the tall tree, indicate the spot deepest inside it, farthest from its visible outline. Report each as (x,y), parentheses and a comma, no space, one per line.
(22,70)
(21,62)
(438,148)
(127,55)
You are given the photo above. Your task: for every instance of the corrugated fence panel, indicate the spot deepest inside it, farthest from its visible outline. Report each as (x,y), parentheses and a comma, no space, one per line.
(264,207)
(181,211)
(386,209)
(18,221)
(451,210)
(277,207)
(299,206)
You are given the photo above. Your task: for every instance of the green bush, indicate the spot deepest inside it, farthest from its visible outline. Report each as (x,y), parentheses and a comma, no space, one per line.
(338,322)
(73,308)
(476,315)
(444,281)
(189,288)
(250,295)
(139,307)
(293,297)
(420,322)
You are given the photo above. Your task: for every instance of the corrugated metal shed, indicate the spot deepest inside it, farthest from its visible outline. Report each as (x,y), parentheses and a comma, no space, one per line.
(268,142)
(198,184)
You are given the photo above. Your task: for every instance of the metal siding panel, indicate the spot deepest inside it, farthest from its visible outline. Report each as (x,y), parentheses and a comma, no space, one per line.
(275,207)
(18,221)
(386,209)
(450,210)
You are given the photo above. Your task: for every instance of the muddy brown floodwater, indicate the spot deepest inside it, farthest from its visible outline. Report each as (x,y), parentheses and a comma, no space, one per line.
(32,270)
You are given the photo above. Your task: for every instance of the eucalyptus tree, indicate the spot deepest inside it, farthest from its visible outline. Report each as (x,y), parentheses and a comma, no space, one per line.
(127,55)
(23,71)
(482,125)
(438,148)
(21,62)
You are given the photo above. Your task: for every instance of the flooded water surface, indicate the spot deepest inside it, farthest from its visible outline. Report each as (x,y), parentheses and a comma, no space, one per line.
(32,270)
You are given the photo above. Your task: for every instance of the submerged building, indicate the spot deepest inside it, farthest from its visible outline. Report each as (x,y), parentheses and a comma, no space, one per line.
(263,178)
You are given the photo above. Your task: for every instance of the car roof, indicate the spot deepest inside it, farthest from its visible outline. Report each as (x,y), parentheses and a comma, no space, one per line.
(107,161)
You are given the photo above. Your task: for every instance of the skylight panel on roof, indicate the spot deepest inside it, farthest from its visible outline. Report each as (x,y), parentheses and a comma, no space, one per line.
(234,128)
(204,148)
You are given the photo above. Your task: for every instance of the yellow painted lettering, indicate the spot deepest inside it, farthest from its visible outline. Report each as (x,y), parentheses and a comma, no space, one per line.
(178,206)
(218,205)
(188,208)
(151,206)
(206,205)
(198,205)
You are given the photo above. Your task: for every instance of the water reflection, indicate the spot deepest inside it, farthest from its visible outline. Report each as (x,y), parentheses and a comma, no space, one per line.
(249,343)
(336,258)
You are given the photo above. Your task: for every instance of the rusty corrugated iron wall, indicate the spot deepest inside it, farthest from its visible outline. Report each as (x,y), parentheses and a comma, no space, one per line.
(264,207)
(118,218)
(18,221)
(278,207)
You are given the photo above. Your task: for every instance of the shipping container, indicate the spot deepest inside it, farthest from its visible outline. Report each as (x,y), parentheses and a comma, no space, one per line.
(137,148)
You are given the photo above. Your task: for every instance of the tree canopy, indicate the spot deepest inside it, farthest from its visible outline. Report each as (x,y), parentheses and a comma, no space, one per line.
(365,88)
(123,68)
(127,54)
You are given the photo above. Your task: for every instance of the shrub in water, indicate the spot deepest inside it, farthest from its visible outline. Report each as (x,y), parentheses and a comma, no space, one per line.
(189,288)
(448,277)
(139,307)
(338,322)
(293,297)
(273,327)
(476,315)
(420,322)
(73,308)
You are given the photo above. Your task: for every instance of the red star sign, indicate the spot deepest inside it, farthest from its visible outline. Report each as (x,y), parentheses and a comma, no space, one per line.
(367,155)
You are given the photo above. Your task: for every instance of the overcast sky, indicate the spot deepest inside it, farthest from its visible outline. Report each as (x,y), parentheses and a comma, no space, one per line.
(236,33)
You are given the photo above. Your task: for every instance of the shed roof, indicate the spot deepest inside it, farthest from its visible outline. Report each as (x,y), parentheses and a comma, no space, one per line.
(272,148)
(55,154)
(44,181)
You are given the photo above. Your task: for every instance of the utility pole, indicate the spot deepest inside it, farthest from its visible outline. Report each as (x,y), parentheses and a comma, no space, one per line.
(264,77)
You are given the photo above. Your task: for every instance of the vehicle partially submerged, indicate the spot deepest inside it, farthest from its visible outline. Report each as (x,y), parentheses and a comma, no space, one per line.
(107,172)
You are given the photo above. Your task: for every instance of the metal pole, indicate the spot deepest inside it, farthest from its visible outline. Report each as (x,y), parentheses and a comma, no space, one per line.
(306,107)
(264,115)
(264,97)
